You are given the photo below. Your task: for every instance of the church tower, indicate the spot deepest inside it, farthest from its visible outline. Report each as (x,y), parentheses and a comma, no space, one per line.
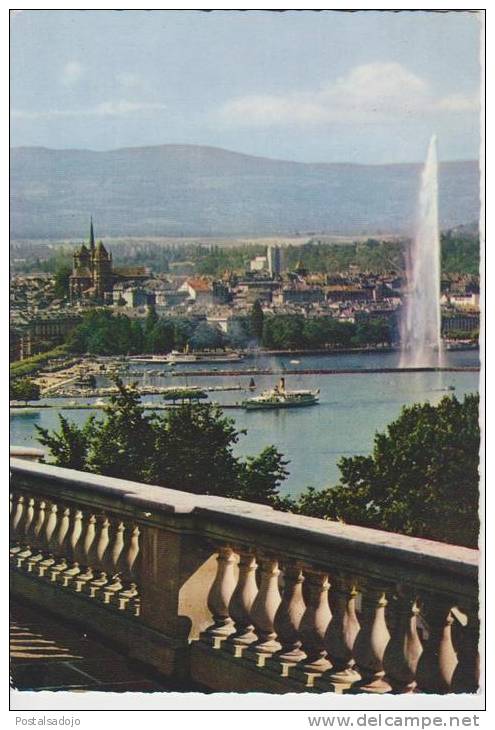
(82,272)
(91,238)
(102,271)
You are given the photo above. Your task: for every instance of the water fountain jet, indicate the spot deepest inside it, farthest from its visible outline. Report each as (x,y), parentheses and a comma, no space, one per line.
(421,343)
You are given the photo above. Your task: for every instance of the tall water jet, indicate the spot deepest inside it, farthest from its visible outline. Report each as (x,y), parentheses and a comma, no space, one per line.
(421,343)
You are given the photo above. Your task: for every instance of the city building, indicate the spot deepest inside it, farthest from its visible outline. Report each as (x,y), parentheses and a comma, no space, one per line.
(274,257)
(259,263)
(298,293)
(132,296)
(93,275)
(30,335)
(199,290)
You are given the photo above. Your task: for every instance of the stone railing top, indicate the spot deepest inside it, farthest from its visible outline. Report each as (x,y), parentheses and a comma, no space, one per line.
(236,520)
(26,452)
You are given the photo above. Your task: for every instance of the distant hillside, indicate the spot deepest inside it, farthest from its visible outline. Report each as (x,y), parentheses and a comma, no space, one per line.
(189,190)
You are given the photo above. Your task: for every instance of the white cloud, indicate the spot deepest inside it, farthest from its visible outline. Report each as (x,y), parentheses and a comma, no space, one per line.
(459,103)
(72,72)
(130,80)
(122,108)
(371,92)
(104,109)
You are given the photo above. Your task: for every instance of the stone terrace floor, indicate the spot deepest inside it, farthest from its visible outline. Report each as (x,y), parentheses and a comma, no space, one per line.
(47,655)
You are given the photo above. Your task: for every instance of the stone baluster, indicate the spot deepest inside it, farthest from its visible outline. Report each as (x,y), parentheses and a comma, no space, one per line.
(17,513)
(314,625)
(49,544)
(404,649)
(439,659)
(264,609)
(341,635)
(86,551)
(219,598)
(372,641)
(114,554)
(130,569)
(99,555)
(465,637)
(288,618)
(73,547)
(60,544)
(26,532)
(241,604)
(37,536)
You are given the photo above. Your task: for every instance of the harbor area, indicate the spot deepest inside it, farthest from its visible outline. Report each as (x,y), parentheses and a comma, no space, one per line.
(360,394)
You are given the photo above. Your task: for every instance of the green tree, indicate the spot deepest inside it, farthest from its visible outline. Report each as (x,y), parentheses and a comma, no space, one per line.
(24,389)
(421,479)
(257,318)
(161,338)
(150,321)
(70,445)
(283,332)
(206,337)
(123,443)
(194,451)
(239,334)
(315,332)
(374,332)
(137,337)
(261,477)
(190,448)
(101,333)
(183,331)
(62,275)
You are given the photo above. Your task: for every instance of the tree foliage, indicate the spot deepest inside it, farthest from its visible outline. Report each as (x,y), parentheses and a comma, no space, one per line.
(62,275)
(421,479)
(190,448)
(24,389)
(282,332)
(69,446)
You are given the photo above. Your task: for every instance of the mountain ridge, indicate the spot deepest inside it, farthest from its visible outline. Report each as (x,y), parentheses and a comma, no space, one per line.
(236,153)
(204,190)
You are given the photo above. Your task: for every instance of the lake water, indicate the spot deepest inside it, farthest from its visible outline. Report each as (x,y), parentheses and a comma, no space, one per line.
(352,408)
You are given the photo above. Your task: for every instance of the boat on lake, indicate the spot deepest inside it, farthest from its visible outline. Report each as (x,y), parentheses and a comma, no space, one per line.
(176,357)
(280,397)
(184,358)
(455,345)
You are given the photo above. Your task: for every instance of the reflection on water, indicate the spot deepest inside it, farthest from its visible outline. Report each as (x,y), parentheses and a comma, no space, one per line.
(25,414)
(352,409)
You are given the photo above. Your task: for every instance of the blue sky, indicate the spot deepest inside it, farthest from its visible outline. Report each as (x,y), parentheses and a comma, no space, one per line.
(366,87)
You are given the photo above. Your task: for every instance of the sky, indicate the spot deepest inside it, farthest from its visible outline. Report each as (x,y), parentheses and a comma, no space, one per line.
(363,87)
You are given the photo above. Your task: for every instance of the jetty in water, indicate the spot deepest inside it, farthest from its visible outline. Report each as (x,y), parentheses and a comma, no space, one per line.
(321,371)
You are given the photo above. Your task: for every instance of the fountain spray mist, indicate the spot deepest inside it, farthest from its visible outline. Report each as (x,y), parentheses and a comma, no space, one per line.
(421,322)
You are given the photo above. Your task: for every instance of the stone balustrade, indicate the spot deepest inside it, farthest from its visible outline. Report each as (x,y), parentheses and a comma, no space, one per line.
(239,597)
(27,452)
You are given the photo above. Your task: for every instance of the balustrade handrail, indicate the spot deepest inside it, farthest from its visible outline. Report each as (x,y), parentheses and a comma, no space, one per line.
(327,604)
(358,549)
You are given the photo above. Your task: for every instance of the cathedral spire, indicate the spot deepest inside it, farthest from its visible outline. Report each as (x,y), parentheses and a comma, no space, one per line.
(91,235)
